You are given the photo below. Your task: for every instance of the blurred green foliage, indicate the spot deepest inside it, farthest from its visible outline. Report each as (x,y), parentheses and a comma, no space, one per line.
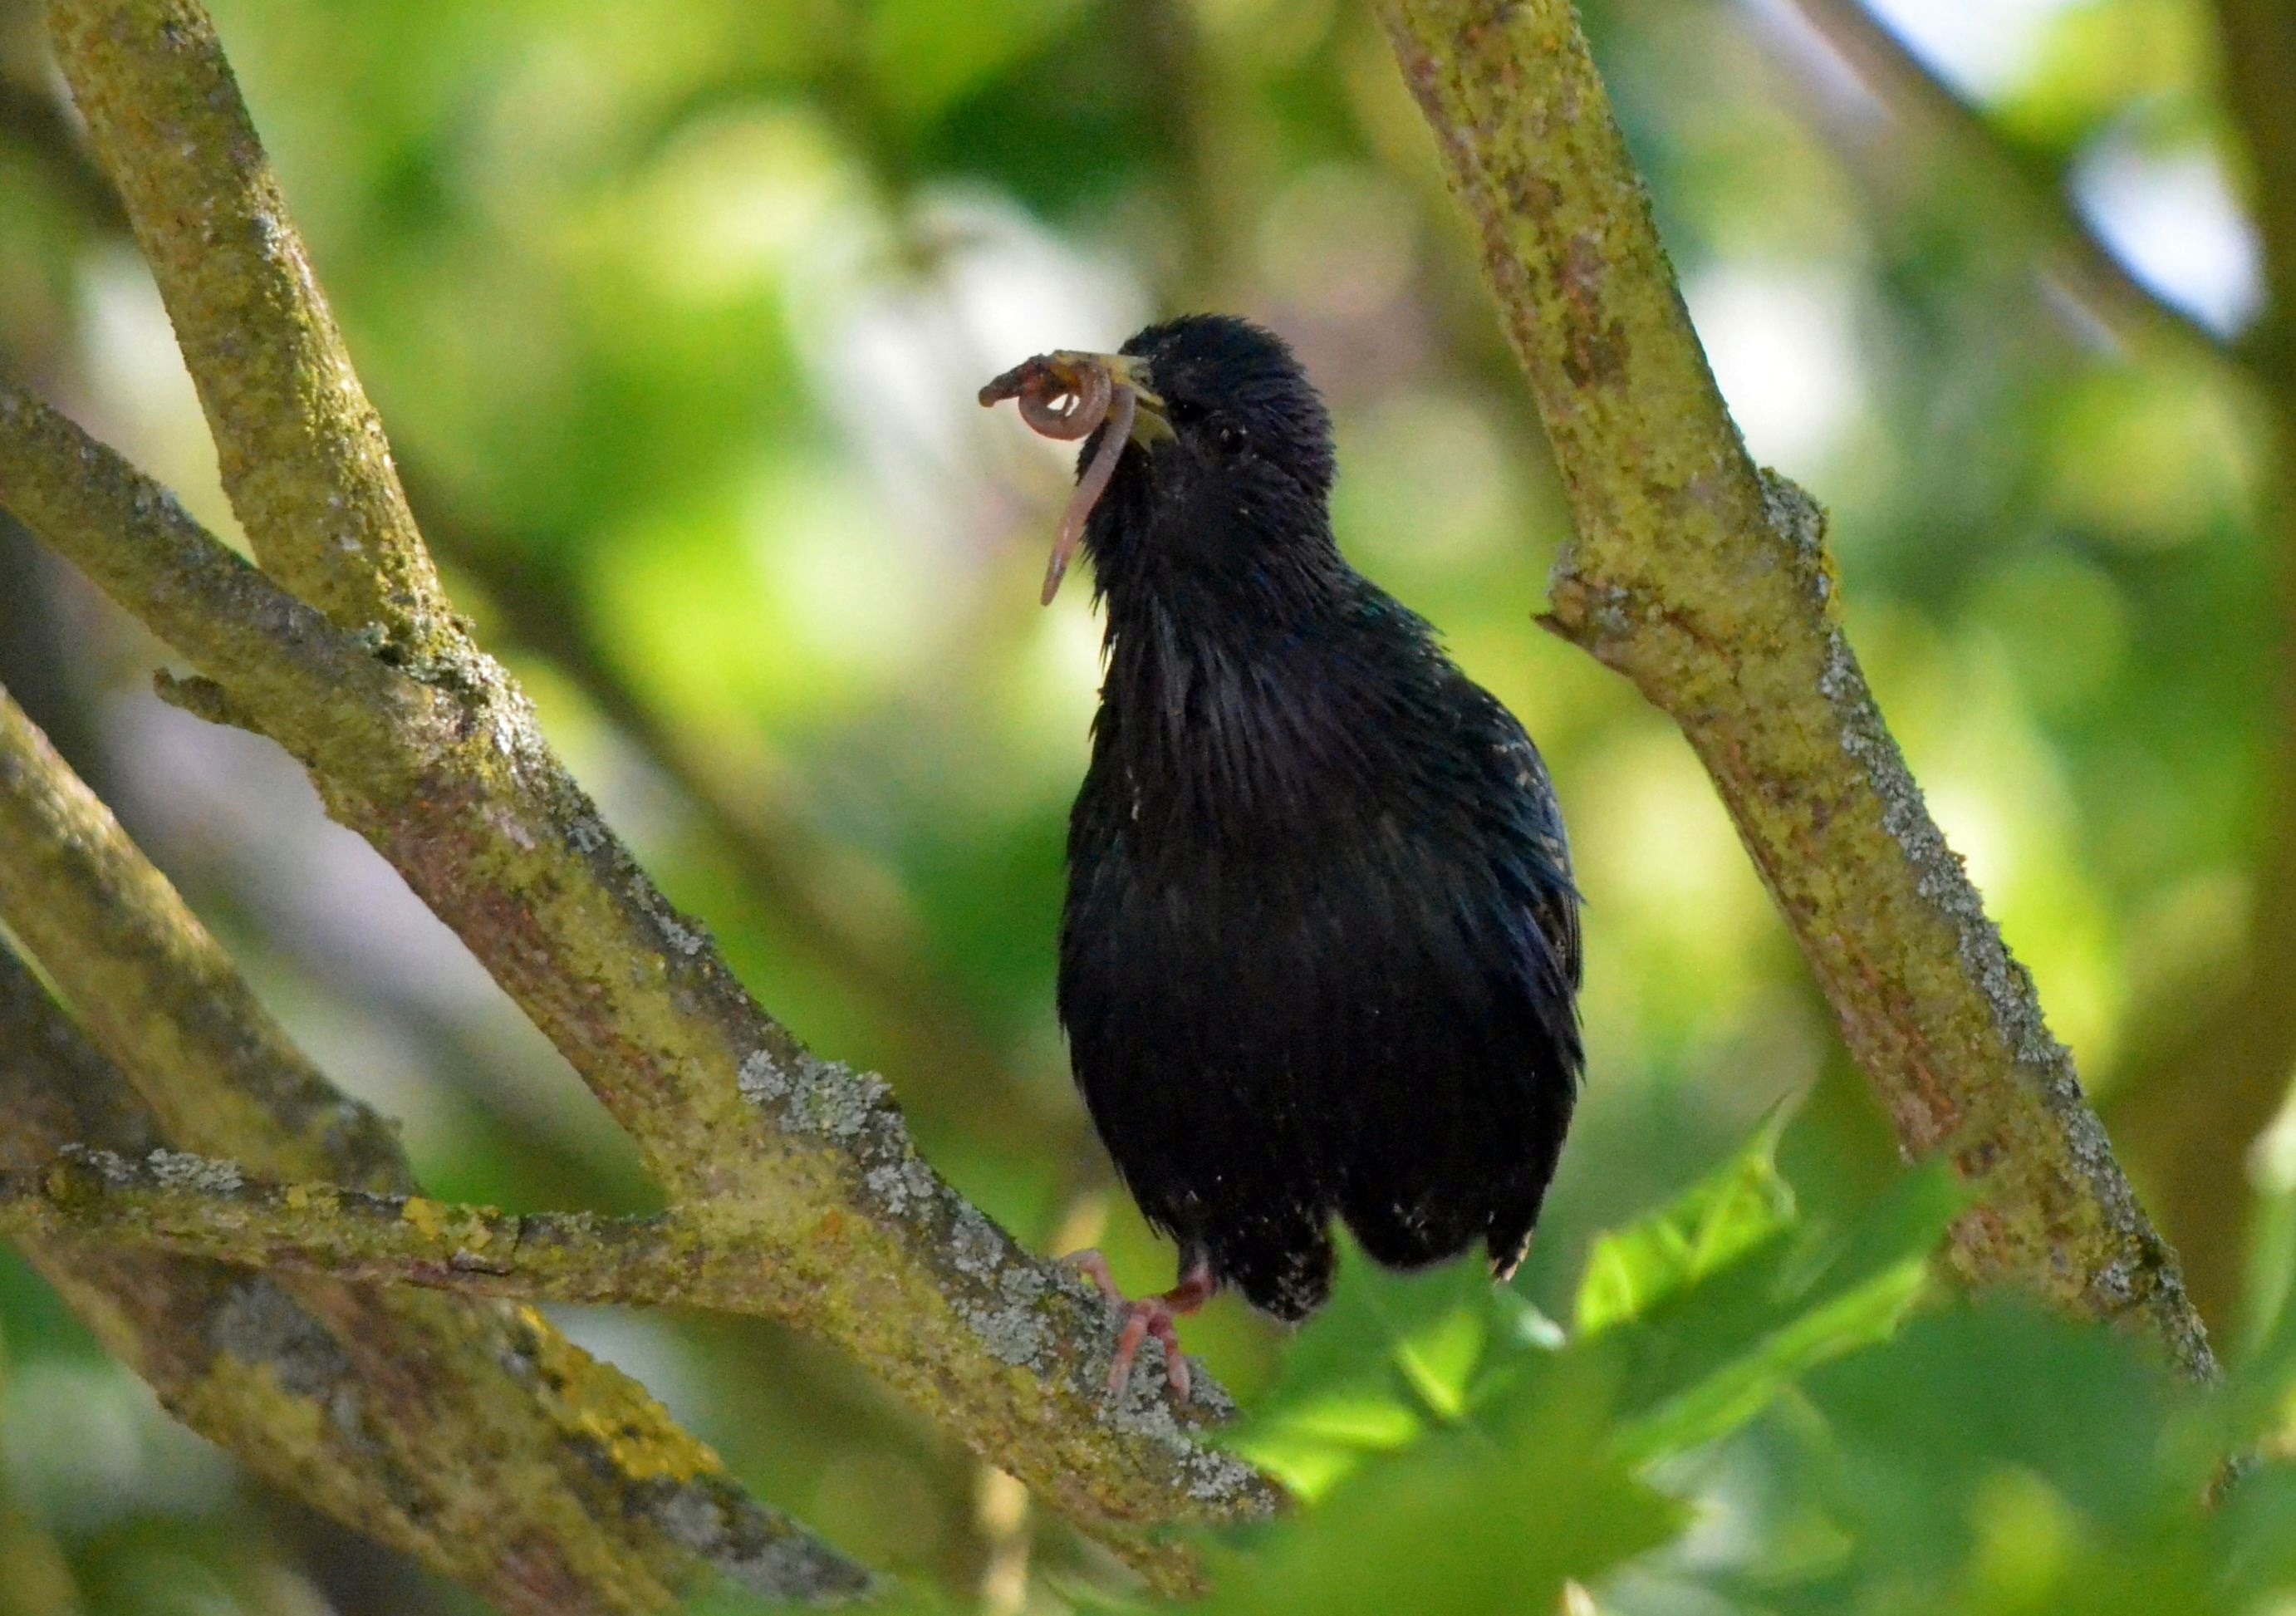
(673,311)
(1763,1407)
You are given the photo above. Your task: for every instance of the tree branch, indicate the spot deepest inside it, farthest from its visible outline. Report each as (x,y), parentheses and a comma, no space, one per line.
(304,459)
(1706,583)
(198,1206)
(2207,1080)
(485,1461)
(439,763)
(2038,185)
(2202,1076)
(875,948)
(872,944)
(160,994)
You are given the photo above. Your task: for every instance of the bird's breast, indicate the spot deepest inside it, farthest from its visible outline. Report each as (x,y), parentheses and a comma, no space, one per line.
(1227,746)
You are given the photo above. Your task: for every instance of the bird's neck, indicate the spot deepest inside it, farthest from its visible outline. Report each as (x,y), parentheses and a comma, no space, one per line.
(1199,614)
(1183,610)
(1238,710)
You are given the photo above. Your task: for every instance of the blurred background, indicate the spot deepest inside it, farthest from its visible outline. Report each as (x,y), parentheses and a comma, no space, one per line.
(674,309)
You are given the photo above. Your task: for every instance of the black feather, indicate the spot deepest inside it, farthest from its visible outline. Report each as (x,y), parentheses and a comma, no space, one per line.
(1320,952)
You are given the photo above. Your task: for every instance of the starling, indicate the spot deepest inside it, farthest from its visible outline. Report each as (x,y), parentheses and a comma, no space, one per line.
(1319,956)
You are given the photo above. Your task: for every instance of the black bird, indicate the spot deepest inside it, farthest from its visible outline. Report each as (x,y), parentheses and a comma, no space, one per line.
(1320,955)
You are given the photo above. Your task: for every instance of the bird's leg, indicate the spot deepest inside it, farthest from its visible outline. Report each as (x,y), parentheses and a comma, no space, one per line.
(1149,1316)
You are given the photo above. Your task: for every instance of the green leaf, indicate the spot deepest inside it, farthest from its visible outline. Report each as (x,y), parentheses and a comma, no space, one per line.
(1699,1314)
(1707,1356)
(1391,1356)
(1479,1516)
(1728,1212)
(1995,1456)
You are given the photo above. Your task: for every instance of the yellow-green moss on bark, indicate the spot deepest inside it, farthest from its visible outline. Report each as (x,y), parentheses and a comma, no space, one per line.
(304,458)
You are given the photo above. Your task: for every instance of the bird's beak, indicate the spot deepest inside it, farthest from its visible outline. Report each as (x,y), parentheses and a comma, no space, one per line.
(1097,389)
(1150,424)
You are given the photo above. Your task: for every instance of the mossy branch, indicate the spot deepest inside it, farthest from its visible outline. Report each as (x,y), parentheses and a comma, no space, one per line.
(2201,1072)
(853,1236)
(304,459)
(418,741)
(486,1465)
(157,992)
(1706,582)
(834,901)
(198,1206)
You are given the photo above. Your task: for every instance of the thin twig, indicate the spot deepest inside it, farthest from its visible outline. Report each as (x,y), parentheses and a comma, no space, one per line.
(2040,186)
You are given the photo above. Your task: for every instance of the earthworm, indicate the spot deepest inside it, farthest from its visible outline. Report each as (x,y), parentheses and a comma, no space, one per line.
(1093,396)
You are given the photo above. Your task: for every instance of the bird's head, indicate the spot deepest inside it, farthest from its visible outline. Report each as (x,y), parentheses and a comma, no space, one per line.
(1204,441)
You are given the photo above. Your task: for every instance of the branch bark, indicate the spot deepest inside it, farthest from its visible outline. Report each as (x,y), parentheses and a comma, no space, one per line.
(836,903)
(831,897)
(473,1444)
(304,460)
(1706,582)
(2203,1076)
(198,1206)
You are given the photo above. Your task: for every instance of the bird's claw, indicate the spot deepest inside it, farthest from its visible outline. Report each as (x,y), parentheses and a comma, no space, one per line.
(1155,1315)
(1094,1268)
(1150,1316)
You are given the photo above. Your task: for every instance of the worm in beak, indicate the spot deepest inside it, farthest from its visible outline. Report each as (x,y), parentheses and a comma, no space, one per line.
(1066,396)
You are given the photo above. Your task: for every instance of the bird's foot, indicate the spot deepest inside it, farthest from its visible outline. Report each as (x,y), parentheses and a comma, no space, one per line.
(1149,1316)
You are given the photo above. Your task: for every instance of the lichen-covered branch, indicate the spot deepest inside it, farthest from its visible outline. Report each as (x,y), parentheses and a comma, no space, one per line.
(2202,1075)
(581,1530)
(157,992)
(628,1514)
(304,459)
(829,897)
(853,1236)
(1706,582)
(201,1206)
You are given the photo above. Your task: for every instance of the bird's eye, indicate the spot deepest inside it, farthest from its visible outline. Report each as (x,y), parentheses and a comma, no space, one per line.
(1229,437)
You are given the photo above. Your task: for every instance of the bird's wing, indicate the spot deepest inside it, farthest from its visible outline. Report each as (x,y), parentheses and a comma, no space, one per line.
(1538,818)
